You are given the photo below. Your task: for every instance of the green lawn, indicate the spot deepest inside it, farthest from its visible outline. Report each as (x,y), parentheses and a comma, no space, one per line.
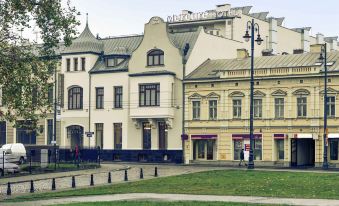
(227,182)
(147,203)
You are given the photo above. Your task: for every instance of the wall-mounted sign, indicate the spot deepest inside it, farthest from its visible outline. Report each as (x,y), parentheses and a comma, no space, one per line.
(204,16)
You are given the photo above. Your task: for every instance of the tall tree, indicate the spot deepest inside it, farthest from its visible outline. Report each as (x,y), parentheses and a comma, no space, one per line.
(26,67)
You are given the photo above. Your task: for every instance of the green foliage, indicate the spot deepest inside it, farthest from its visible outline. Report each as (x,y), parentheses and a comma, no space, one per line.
(26,68)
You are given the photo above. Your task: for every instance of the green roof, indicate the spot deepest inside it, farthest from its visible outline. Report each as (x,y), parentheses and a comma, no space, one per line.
(210,68)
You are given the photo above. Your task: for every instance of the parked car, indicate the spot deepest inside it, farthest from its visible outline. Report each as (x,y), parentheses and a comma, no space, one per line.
(14,153)
(9,167)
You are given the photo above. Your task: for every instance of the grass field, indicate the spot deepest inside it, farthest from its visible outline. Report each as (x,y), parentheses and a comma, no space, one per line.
(146,203)
(227,182)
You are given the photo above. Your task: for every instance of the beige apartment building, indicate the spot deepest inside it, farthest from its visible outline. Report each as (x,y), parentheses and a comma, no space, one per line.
(288,110)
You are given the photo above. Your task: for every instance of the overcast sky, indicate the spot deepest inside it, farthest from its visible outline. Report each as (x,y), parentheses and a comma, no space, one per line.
(113,17)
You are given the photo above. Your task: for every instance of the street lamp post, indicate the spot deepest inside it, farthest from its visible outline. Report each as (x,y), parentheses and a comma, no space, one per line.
(254,27)
(323,58)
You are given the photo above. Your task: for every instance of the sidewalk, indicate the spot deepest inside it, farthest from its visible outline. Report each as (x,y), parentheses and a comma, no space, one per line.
(179,197)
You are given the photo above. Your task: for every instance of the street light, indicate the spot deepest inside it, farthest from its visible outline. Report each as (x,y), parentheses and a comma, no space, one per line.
(254,27)
(323,59)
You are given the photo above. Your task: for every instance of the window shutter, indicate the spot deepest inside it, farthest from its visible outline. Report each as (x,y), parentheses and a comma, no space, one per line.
(61,90)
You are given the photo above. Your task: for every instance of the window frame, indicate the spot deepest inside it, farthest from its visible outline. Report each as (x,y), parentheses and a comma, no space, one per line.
(257,108)
(143,93)
(302,106)
(99,134)
(196,110)
(156,54)
(279,108)
(83,64)
(99,97)
(213,109)
(75,64)
(118,97)
(330,107)
(68,64)
(237,108)
(72,96)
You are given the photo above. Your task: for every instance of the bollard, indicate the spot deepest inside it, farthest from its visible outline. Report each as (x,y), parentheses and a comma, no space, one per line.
(156,172)
(73,182)
(32,187)
(92,180)
(126,177)
(109,177)
(53,184)
(9,190)
(141,174)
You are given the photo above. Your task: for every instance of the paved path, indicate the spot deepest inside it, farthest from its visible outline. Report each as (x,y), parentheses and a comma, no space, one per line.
(178,197)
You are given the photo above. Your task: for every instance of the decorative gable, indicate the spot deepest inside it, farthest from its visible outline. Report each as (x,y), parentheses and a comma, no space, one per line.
(259,94)
(236,94)
(301,92)
(330,91)
(213,95)
(279,92)
(195,96)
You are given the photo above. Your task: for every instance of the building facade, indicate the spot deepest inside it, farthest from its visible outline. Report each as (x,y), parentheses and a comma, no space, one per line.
(288,110)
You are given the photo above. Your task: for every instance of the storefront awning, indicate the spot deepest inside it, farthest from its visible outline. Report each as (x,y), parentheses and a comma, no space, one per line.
(279,136)
(245,136)
(303,136)
(333,135)
(204,136)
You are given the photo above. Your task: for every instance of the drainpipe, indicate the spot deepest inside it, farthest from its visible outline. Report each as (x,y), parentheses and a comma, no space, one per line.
(184,136)
(89,108)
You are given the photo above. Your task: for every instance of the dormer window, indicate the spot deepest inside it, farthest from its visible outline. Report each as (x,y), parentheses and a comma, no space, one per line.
(75,62)
(155,58)
(114,61)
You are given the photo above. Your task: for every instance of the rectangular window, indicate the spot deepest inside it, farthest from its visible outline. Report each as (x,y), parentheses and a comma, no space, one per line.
(49,131)
(257,108)
(279,108)
(68,64)
(117,136)
(100,98)
(196,110)
(334,149)
(110,62)
(237,108)
(213,105)
(99,135)
(280,149)
(83,64)
(50,94)
(330,106)
(3,136)
(257,149)
(149,95)
(302,106)
(75,62)
(24,133)
(118,97)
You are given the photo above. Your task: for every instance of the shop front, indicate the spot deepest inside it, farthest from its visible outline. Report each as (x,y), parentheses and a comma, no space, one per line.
(242,142)
(204,147)
(279,150)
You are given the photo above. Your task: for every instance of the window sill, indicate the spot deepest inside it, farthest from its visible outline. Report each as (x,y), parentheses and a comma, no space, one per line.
(152,66)
(75,71)
(117,108)
(158,106)
(75,110)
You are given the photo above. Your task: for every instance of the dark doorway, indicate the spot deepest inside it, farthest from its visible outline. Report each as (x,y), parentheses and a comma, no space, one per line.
(302,152)
(75,133)
(146,136)
(163,130)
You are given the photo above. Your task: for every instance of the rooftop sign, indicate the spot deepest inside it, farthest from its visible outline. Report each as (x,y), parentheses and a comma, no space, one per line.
(213,14)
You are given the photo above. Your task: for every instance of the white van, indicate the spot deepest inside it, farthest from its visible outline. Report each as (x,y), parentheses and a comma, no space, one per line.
(14,153)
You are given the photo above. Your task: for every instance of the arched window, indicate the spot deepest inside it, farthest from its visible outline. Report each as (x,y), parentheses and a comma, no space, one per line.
(75,98)
(155,58)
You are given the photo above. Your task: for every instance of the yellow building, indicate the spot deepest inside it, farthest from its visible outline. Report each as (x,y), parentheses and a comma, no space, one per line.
(288,110)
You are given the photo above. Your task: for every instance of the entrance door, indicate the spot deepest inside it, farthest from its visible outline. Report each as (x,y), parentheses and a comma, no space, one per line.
(75,134)
(303,152)
(147,136)
(210,149)
(163,130)
(203,149)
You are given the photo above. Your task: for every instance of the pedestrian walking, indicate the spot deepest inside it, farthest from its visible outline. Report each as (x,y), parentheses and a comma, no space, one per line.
(242,157)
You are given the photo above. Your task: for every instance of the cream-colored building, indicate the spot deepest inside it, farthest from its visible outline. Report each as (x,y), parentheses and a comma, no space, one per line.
(288,110)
